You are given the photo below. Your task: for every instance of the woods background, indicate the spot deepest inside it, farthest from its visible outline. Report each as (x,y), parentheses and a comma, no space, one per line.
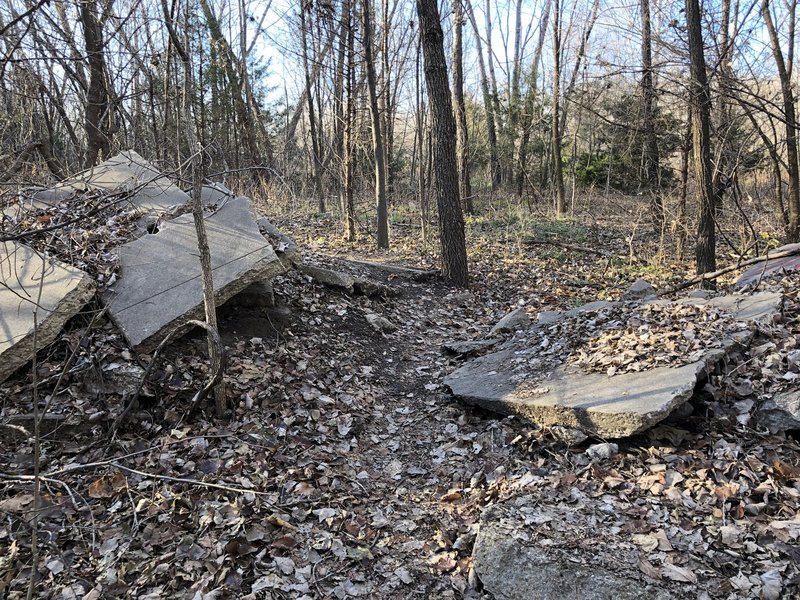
(559,105)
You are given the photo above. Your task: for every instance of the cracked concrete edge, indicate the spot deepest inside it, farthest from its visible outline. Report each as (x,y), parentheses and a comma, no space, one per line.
(48,330)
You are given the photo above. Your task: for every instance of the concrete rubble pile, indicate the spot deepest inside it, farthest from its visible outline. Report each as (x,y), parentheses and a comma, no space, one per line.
(158,285)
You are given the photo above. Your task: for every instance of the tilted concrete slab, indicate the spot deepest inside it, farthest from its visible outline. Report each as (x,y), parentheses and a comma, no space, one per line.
(125,171)
(31,284)
(617,406)
(160,286)
(771,268)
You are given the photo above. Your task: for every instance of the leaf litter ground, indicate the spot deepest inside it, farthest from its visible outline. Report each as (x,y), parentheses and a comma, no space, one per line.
(348,470)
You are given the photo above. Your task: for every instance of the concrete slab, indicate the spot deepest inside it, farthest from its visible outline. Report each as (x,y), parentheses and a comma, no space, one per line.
(771,268)
(527,549)
(607,406)
(125,171)
(24,275)
(160,287)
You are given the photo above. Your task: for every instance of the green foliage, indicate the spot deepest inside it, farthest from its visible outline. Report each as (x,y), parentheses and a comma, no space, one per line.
(559,229)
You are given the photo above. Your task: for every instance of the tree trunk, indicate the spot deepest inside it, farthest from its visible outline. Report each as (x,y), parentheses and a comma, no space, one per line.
(555,120)
(488,105)
(451,220)
(459,108)
(98,130)
(784,67)
(316,159)
(652,167)
(377,138)
(700,98)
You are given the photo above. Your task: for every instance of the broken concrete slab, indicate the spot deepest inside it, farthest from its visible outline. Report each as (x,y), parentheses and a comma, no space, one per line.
(780,413)
(160,287)
(771,268)
(214,193)
(612,406)
(329,277)
(37,296)
(526,550)
(470,347)
(127,171)
(284,246)
(609,407)
(516,319)
(257,295)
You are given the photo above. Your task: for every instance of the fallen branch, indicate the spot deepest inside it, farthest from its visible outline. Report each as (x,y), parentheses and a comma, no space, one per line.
(577,248)
(728,269)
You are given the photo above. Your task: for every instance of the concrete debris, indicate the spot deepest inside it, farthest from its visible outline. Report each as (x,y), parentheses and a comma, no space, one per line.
(780,413)
(599,452)
(380,324)
(470,347)
(516,319)
(127,171)
(606,406)
(639,290)
(329,277)
(160,287)
(37,296)
(522,551)
(771,268)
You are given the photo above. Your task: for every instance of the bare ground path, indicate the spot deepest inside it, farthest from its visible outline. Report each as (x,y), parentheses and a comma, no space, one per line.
(350,472)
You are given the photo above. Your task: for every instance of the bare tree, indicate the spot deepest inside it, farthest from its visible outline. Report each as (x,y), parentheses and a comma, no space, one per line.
(377,137)
(700,101)
(451,220)
(459,108)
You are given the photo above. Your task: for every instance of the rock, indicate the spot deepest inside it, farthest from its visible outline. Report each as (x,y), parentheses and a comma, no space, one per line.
(372,289)
(258,294)
(119,379)
(470,347)
(772,268)
(639,290)
(546,317)
(568,435)
(380,324)
(283,245)
(516,319)
(512,561)
(598,404)
(24,275)
(780,413)
(125,171)
(160,287)
(604,451)
(329,277)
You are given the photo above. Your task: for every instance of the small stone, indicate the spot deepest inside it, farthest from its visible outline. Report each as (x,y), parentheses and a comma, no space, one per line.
(639,290)
(568,435)
(604,451)
(380,324)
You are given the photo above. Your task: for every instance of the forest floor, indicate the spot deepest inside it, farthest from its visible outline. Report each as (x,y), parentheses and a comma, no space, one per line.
(349,471)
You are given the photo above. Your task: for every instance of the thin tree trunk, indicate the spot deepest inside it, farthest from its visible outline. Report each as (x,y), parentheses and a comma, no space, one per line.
(377,138)
(784,66)
(451,220)
(459,108)
(705,252)
(555,120)
(98,134)
(652,167)
(488,106)
(316,159)
(197,208)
